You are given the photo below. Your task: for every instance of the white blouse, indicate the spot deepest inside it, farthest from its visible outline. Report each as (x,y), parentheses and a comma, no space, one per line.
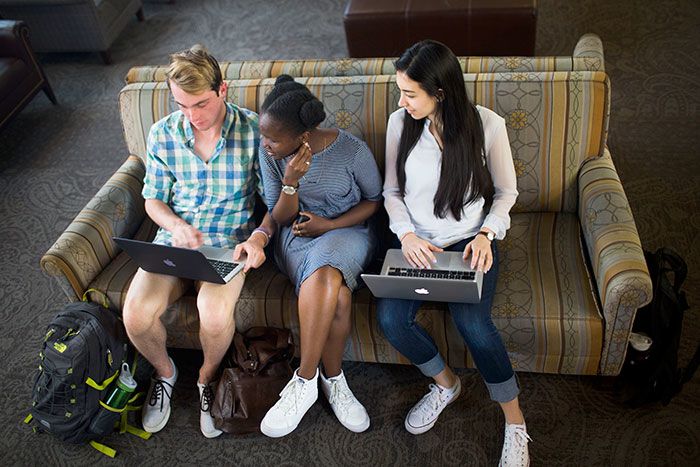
(414,212)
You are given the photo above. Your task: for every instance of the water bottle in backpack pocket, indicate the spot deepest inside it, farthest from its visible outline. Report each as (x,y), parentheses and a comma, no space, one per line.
(115,402)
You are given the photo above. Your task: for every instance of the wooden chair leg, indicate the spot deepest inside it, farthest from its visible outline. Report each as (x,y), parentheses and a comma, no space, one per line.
(139,15)
(49,92)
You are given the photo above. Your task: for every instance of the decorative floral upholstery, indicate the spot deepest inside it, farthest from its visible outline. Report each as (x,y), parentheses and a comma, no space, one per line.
(572,269)
(588,56)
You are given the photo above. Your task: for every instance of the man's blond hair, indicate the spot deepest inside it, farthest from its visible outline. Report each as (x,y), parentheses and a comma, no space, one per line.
(194,70)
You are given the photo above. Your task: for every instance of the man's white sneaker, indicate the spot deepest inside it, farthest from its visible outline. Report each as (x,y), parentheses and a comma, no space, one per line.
(515,452)
(206,400)
(350,413)
(156,410)
(425,413)
(296,399)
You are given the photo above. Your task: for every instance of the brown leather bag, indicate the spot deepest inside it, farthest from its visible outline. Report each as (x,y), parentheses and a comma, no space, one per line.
(257,369)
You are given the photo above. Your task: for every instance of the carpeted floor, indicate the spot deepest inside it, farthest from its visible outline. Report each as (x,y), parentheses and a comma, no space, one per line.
(53,159)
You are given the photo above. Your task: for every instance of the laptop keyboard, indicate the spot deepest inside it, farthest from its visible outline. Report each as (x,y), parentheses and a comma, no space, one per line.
(222,267)
(432,273)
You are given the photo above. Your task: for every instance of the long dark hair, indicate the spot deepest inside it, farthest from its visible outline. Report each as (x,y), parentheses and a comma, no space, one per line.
(293,105)
(464,177)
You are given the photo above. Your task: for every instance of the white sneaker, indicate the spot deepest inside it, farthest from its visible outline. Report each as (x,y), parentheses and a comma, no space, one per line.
(425,413)
(206,400)
(296,399)
(156,411)
(350,413)
(515,452)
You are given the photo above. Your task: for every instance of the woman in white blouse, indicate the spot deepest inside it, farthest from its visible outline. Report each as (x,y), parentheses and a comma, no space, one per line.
(450,184)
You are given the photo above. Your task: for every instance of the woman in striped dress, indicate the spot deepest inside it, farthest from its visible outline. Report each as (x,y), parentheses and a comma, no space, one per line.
(321,186)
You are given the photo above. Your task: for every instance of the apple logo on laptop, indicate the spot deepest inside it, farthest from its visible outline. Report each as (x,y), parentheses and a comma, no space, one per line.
(422,291)
(169,263)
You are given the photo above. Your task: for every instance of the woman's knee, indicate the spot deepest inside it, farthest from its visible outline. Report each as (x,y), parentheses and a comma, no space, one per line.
(477,329)
(327,277)
(392,317)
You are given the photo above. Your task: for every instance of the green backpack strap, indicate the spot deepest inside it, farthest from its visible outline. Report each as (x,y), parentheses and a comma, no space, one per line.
(131,406)
(104,449)
(105,299)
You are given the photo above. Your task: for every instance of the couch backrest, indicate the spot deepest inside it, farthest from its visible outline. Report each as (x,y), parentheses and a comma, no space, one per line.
(555,120)
(587,56)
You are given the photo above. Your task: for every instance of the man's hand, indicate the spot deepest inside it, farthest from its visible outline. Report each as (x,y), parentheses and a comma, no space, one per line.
(418,251)
(254,249)
(186,236)
(314,227)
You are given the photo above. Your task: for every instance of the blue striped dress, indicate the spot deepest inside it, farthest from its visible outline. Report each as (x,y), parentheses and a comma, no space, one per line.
(340,176)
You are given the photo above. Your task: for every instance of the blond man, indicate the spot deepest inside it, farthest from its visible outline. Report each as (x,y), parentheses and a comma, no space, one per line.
(202,174)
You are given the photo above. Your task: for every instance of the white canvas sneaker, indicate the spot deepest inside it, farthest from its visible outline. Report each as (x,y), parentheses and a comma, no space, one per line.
(515,452)
(156,411)
(424,414)
(296,399)
(206,400)
(350,413)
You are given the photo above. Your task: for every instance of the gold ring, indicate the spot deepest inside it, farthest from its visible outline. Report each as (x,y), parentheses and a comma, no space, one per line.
(308,163)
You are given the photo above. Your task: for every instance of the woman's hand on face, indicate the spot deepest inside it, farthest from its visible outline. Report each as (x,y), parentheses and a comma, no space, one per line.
(315,226)
(482,256)
(298,165)
(417,251)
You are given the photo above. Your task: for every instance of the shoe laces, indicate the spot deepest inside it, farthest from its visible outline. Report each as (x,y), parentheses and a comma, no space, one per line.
(291,394)
(340,394)
(207,399)
(158,391)
(431,402)
(515,444)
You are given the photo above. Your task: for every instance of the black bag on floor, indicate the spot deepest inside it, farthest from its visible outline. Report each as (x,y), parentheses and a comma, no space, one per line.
(83,351)
(653,375)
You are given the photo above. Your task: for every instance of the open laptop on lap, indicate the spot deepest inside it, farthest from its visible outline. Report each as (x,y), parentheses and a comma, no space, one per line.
(451,279)
(208,264)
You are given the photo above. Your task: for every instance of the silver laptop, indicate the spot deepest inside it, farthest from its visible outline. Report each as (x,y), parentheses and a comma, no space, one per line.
(208,264)
(451,279)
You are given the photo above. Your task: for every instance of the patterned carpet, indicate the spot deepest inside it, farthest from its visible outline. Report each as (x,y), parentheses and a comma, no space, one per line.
(53,159)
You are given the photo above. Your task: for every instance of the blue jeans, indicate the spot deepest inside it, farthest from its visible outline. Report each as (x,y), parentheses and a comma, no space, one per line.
(397,319)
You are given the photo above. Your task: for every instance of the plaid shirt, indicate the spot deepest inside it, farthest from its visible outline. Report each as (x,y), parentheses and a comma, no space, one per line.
(215,197)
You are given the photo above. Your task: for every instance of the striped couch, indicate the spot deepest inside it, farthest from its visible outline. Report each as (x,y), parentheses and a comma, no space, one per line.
(572,268)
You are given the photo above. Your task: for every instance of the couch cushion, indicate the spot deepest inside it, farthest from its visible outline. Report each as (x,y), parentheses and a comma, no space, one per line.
(544,306)
(555,120)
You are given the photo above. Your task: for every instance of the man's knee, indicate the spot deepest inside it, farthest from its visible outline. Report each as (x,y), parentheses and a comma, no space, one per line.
(139,313)
(215,314)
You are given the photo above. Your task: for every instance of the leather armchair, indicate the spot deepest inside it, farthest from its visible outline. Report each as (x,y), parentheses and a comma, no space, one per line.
(21,76)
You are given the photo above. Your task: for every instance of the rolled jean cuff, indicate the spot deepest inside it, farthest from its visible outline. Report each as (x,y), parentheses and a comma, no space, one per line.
(432,367)
(505,391)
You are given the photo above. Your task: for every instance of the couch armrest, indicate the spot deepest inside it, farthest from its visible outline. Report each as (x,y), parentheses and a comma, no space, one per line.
(86,247)
(14,40)
(619,269)
(590,49)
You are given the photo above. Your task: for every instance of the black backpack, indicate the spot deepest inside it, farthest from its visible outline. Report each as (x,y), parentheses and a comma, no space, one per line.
(82,354)
(653,375)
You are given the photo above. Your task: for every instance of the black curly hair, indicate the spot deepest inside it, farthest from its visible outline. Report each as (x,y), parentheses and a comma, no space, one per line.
(293,105)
